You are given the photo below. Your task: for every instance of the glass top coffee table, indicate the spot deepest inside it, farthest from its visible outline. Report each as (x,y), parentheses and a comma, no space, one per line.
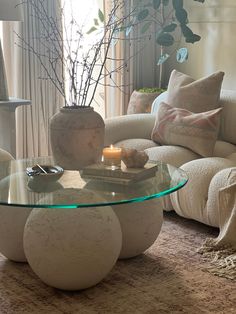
(18,189)
(73,230)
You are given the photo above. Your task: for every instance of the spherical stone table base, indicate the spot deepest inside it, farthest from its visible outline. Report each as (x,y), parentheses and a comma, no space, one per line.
(13,218)
(72,249)
(12,223)
(140,224)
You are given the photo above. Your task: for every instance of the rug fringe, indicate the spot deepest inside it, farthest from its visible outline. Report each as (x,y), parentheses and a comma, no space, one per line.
(222,258)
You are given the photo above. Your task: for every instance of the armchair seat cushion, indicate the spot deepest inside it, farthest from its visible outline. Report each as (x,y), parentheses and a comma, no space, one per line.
(174,155)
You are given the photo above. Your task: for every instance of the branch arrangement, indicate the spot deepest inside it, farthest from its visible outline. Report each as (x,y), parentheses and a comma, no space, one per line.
(76,62)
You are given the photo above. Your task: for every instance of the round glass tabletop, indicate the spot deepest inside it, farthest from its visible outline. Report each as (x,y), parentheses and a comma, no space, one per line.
(74,189)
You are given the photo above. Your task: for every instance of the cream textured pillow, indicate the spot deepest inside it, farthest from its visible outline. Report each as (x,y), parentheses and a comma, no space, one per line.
(196,131)
(194,95)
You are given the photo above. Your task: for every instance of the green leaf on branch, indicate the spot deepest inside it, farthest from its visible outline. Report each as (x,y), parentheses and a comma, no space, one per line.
(170,28)
(156,4)
(163,59)
(186,31)
(165,39)
(182,16)
(143,14)
(194,38)
(145,27)
(177,4)
(101,15)
(92,29)
(96,22)
(189,36)
(182,55)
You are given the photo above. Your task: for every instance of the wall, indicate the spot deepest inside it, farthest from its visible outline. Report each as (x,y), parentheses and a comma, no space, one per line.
(215,22)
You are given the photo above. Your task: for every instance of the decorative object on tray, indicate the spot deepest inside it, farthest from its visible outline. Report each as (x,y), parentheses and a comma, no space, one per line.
(133,158)
(121,175)
(44,173)
(112,157)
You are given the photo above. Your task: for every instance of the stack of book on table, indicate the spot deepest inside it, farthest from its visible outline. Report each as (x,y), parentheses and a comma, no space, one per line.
(121,175)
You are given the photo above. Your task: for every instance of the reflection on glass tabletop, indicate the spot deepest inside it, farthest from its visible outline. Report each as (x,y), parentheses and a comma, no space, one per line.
(71,189)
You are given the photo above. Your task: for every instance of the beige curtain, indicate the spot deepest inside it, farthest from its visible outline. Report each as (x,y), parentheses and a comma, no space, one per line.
(118,86)
(140,55)
(23,72)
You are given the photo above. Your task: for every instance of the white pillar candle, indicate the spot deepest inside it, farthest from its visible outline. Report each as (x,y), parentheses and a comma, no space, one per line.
(112,156)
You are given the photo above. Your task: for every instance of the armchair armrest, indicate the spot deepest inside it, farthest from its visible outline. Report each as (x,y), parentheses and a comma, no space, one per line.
(128,126)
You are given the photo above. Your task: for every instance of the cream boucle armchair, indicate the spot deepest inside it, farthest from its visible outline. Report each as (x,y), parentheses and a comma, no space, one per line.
(198,199)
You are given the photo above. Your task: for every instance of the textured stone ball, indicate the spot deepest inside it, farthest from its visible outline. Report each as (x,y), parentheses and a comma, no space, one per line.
(13,218)
(72,249)
(12,223)
(140,224)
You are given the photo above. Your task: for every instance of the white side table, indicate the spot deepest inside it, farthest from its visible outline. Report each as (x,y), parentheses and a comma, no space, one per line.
(8,123)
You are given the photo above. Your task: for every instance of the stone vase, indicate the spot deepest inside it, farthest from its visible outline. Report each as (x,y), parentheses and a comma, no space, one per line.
(76,137)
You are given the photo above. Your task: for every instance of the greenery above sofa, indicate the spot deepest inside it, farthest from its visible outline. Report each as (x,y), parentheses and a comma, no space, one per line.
(151,90)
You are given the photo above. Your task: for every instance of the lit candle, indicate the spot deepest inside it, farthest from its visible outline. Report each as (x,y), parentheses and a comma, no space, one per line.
(112,156)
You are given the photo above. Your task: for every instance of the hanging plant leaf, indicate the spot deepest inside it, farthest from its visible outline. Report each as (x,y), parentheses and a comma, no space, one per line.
(182,16)
(202,1)
(194,38)
(143,14)
(165,39)
(182,55)
(178,4)
(101,15)
(156,4)
(96,22)
(163,58)
(186,31)
(145,27)
(189,36)
(92,29)
(170,28)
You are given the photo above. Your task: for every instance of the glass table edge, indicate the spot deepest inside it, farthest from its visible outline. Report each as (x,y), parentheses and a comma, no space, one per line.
(84,205)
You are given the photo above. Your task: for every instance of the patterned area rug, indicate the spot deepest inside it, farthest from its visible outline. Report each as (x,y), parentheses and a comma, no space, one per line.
(168,278)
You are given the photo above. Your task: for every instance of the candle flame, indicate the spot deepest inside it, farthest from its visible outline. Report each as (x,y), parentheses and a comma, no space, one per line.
(111,146)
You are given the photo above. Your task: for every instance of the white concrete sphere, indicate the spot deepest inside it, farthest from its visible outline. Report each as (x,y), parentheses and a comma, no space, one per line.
(12,223)
(140,224)
(72,249)
(13,218)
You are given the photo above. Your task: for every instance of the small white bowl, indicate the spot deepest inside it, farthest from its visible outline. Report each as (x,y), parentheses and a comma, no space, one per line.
(51,174)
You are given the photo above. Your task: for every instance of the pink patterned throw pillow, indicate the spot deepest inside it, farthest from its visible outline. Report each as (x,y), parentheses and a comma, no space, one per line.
(195,95)
(196,131)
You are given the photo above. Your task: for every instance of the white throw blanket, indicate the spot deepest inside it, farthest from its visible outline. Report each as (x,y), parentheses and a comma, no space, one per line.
(222,250)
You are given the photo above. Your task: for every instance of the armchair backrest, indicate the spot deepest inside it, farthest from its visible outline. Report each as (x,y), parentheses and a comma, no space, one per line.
(228,116)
